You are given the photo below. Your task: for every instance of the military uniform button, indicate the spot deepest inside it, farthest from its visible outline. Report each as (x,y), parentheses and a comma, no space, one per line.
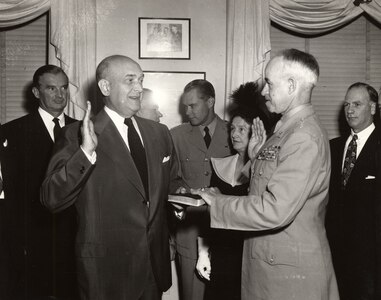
(272,259)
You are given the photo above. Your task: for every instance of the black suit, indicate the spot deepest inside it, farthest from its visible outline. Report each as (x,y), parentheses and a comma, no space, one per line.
(353,221)
(39,245)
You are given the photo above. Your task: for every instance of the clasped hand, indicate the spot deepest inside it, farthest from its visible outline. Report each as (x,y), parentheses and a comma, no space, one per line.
(203,266)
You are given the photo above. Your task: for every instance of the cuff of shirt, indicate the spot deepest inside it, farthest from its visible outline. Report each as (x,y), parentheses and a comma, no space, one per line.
(92,158)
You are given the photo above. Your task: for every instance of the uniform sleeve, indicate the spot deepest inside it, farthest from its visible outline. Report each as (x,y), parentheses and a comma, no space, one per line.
(290,184)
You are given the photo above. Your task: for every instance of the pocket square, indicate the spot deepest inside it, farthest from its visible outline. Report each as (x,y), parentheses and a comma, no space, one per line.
(370,177)
(5,144)
(166,158)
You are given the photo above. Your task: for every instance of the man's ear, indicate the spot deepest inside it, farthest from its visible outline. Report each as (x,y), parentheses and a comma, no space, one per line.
(104,86)
(36,92)
(373,108)
(291,85)
(211,102)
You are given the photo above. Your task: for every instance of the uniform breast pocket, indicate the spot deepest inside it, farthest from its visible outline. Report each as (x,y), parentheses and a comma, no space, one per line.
(190,168)
(262,173)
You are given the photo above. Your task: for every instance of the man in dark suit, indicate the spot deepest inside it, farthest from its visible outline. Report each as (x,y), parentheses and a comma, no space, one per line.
(353,215)
(205,136)
(39,245)
(116,171)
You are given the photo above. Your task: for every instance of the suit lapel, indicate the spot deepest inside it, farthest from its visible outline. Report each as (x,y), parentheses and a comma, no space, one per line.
(69,120)
(367,153)
(153,159)
(110,143)
(39,129)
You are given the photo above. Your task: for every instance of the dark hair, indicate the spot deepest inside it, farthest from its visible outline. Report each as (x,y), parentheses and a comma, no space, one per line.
(204,87)
(248,103)
(373,97)
(50,69)
(303,58)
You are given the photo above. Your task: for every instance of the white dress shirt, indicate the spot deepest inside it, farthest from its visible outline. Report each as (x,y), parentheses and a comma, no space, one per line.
(2,192)
(48,121)
(362,137)
(122,128)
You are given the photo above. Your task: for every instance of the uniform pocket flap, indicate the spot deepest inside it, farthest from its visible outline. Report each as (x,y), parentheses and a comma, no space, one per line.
(276,253)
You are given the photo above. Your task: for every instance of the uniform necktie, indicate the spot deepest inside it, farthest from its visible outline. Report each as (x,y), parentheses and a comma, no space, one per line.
(137,153)
(207,137)
(350,159)
(56,128)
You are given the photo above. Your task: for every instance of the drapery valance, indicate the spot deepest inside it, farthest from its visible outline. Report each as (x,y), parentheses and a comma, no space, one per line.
(302,16)
(16,12)
(318,16)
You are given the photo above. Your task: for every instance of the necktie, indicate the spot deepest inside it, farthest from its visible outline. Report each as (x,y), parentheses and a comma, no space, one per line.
(350,159)
(207,137)
(56,129)
(137,153)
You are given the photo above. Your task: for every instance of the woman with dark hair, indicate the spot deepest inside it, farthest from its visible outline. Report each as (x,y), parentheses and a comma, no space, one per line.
(220,251)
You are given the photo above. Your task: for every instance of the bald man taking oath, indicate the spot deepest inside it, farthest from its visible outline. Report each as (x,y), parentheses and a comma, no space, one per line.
(116,170)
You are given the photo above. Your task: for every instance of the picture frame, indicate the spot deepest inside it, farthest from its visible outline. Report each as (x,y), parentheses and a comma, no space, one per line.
(165,38)
(167,88)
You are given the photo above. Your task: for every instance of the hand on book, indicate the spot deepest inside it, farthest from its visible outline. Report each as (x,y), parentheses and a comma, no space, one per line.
(208,194)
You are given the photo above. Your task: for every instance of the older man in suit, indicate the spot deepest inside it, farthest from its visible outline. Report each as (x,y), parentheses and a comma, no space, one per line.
(39,246)
(286,253)
(205,136)
(116,171)
(354,217)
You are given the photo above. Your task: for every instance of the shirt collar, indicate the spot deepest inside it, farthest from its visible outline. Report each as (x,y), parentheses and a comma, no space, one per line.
(212,126)
(293,111)
(114,116)
(225,169)
(47,117)
(365,133)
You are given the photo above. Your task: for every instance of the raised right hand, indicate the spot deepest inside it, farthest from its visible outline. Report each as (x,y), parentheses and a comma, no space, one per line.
(89,138)
(258,138)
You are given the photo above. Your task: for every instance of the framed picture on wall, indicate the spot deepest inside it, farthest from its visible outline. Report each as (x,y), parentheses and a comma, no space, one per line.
(167,88)
(164,38)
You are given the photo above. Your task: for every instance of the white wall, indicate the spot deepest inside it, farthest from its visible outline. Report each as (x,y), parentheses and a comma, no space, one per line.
(117,33)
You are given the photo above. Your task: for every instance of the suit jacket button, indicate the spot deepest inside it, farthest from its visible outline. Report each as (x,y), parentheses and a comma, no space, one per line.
(82,170)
